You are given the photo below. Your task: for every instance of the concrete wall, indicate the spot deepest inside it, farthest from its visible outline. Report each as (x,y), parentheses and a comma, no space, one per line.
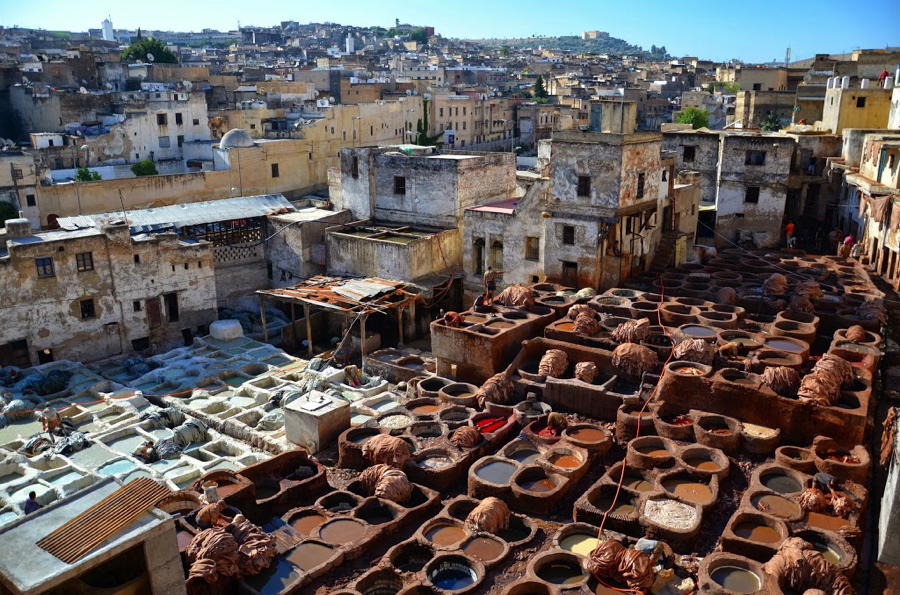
(299,250)
(842,110)
(894,115)
(705,161)
(372,257)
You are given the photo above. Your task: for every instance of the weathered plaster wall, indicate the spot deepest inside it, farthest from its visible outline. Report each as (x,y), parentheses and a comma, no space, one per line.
(705,161)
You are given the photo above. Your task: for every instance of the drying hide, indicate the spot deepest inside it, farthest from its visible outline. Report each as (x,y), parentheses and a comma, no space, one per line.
(491,515)
(585,324)
(515,296)
(497,389)
(577,309)
(694,350)
(776,285)
(465,437)
(632,331)
(633,360)
(388,450)
(554,363)
(586,371)
(782,380)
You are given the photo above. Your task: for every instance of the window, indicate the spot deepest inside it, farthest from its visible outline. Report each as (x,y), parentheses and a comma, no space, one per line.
(478,256)
(30,201)
(141,344)
(568,235)
(84,261)
(50,143)
(532,248)
(137,306)
(44,267)
(171,306)
(399,185)
(252,126)
(755,158)
(161,119)
(640,187)
(137,259)
(274,170)
(757,86)
(570,273)
(87,309)
(752,194)
(584,185)
(688,153)
(354,166)
(178,120)
(196,121)
(464,111)
(270,272)
(164,142)
(180,139)
(860,102)
(497,257)
(45,356)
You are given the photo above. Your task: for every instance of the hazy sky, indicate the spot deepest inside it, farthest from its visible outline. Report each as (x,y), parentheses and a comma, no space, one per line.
(754,31)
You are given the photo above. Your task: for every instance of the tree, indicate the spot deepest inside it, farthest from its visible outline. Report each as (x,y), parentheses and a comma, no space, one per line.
(144,168)
(653,49)
(83,174)
(138,51)
(422,138)
(772,123)
(539,91)
(695,116)
(7,211)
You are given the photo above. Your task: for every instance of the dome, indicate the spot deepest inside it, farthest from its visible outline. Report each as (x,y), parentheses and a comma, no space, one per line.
(236,137)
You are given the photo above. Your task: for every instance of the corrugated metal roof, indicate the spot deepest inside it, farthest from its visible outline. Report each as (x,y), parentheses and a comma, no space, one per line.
(343,293)
(181,215)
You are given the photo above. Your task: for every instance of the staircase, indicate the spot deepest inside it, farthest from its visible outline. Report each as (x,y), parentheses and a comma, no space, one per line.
(664,252)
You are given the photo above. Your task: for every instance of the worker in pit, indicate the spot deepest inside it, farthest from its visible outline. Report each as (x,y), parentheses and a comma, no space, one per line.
(211,515)
(51,423)
(147,452)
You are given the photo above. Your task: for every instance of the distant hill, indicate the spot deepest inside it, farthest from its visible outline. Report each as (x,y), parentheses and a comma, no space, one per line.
(572,43)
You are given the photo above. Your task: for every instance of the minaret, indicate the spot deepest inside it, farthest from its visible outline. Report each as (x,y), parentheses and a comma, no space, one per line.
(350,45)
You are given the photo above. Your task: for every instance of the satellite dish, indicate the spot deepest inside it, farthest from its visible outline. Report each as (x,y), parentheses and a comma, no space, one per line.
(427,95)
(109,86)
(25,80)
(409,91)
(428,88)
(188,85)
(332,100)
(150,57)
(82,90)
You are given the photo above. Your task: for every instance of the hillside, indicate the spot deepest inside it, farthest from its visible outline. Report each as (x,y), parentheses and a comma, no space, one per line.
(609,45)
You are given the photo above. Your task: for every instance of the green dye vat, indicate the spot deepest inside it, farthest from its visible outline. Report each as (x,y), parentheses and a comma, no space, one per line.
(92,457)
(66,478)
(116,468)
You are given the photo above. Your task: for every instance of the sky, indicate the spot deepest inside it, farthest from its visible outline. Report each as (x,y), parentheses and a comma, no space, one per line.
(756,31)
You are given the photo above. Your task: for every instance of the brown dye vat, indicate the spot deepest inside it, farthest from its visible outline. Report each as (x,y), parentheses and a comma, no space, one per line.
(781,483)
(736,579)
(620,508)
(474,319)
(425,409)
(691,491)
(342,531)
(831,555)
(588,435)
(703,464)
(484,549)
(265,491)
(446,535)
(652,450)
(564,461)
(755,532)
(501,324)
(637,483)
(184,539)
(776,506)
(228,489)
(825,521)
(361,439)
(307,556)
(305,524)
(539,485)
(561,573)
(783,345)
(565,326)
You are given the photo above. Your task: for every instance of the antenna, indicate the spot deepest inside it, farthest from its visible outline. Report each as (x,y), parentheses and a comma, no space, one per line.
(150,57)
(787,56)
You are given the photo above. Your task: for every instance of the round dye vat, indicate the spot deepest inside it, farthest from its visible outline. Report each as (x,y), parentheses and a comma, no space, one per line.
(484,549)
(695,330)
(782,345)
(545,484)
(781,483)
(307,556)
(736,579)
(652,450)
(425,409)
(580,543)
(305,524)
(436,461)
(499,472)
(753,531)
(620,508)
(500,324)
(703,464)
(341,531)
(561,573)
(831,555)
(525,455)
(776,506)
(446,535)
(565,461)
(685,489)
(588,435)
(637,483)
(818,520)
(452,576)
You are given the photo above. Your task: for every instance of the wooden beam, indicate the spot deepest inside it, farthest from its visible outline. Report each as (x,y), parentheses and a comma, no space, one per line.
(262,315)
(309,337)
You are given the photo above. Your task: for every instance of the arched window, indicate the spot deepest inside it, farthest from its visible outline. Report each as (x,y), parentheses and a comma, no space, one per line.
(478,256)
(497,256)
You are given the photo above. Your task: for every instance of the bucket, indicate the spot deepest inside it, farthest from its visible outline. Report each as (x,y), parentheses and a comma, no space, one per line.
(211,491)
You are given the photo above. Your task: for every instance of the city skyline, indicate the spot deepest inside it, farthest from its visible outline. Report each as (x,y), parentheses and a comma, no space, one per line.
(806,29)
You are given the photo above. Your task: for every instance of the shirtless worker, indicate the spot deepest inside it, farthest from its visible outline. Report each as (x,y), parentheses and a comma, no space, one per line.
(51,422)
(490,284)
(211,515)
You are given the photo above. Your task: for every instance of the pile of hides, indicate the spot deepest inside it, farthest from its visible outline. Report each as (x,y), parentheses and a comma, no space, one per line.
(243,552)
(491,515)
(386,482)
(71,443)
(726,295)
(776,285)
(35,446)
(812,499)
(497,389)
(633,360)
(808,289)
(694,350)
(577,309)
(782,380)
(515,296)
(585,324)
(586,371)
(553,364)
(193,430)
(34,382)
(166,448)
(164,418)
(856,333)
(887,438)
(16,410)
(823,385)
(136,367)
(866,311)
(465,437)
(271,421)
(557,422)
(614,561)
(387,450)
(798,566)
(801,305)
(585,293)
(632,331)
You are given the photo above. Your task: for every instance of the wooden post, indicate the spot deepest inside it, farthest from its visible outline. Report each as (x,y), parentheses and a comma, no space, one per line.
(400,325)
(411,327)
(362,343)
(309,338)
(262,315)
